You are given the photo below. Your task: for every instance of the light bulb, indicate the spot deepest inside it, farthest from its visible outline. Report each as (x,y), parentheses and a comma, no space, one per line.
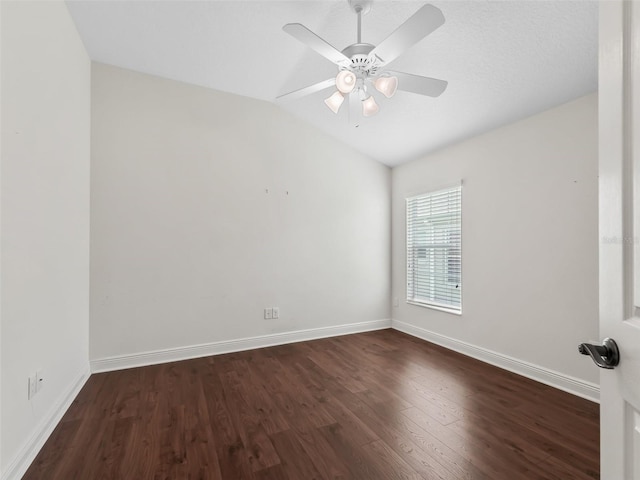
(334,101)
(369,107)
(386,85)
(345,81)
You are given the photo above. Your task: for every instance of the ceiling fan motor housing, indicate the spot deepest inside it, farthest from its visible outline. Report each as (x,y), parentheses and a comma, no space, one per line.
(361,64)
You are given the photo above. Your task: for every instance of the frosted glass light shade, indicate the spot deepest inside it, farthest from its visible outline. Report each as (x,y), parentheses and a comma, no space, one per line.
(345,81)
(334,101)
(369,107)
(386,85)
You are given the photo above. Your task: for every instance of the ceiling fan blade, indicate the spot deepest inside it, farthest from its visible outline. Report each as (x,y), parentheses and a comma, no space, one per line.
(316,87)
(419,25)
(419,84)
(316,43)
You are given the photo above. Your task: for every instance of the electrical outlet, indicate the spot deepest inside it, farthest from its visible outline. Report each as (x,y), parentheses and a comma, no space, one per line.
(32,387)
(276,312)
(268,313)
(39,380)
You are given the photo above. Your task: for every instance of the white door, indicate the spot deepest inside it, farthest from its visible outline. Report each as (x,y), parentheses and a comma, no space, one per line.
(619,157)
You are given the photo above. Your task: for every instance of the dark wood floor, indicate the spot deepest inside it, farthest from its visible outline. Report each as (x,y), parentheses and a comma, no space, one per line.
(379,405)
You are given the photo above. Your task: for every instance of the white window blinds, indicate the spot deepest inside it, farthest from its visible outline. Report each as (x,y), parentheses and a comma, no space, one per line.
(434,249)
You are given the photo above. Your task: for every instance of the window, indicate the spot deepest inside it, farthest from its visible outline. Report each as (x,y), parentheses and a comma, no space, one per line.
(434,249)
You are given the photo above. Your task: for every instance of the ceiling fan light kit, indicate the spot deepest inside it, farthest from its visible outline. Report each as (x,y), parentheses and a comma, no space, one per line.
(360,65)
(386,85)
(334,101)
(369,107)
(345,81)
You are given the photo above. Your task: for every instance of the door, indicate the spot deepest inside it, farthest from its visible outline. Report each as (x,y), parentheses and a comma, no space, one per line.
(619,170)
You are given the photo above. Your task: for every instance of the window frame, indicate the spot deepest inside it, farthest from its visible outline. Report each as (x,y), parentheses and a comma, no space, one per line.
(432,304)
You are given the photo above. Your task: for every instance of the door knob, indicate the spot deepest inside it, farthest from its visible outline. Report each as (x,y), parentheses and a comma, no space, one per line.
(606,355)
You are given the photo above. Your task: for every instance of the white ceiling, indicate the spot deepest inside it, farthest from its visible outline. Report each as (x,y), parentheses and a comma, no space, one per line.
(504,60)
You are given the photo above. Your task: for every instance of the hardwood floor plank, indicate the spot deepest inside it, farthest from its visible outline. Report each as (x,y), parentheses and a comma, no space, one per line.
(255,391)
(230,449)
(201,445)
(258,447)
(307,406)
(359,461)
(357,431)
(378,405)
(586,441)
(416,445)
(488,457)
(522,439)
(323,360)
(272,473)
(385,457)
(326,460)
(296,462)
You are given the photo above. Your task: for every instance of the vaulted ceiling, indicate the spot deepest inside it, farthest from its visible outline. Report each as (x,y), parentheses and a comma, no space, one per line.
(504,60)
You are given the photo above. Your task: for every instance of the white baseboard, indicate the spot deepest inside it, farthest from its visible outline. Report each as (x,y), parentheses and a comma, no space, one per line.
(229,346)
(573,385)
(570,384)
(18,467)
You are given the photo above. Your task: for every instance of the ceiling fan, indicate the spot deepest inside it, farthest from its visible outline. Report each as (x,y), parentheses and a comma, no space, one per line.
(361,65)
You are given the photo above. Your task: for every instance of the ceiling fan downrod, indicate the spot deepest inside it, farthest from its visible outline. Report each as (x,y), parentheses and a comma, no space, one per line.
(359,12)
(360,7)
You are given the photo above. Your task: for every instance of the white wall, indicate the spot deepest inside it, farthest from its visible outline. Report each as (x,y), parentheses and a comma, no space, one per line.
(530,239)
(44,219)
(187,246)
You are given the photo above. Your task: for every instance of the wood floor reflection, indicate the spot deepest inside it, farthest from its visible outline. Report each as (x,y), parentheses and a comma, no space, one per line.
(379,405)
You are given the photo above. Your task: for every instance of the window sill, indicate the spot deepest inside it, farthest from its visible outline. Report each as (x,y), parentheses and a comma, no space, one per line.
(436,307)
